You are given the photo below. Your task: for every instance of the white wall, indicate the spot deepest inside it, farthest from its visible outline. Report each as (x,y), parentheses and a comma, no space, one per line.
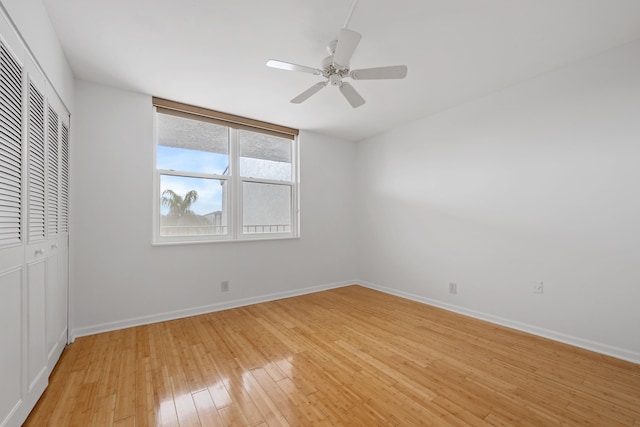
(32,20)
(537,182)
(119,278)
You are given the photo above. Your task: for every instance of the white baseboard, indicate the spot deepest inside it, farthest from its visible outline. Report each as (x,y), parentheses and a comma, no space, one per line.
(619,353)
(177,314)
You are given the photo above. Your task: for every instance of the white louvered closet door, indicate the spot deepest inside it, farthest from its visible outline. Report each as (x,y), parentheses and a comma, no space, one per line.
(36,249)
(56,230)
(61,247)
(11,233)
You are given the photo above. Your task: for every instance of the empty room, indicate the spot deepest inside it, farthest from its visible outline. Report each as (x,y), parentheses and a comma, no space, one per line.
(299,213)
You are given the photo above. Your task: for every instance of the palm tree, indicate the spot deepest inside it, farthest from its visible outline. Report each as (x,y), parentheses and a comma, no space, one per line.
(179,206)
(181,216)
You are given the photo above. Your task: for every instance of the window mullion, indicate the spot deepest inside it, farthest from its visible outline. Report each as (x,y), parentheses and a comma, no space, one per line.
(235,213)
(295,189)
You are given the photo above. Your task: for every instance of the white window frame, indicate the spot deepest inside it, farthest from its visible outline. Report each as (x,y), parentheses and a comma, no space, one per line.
(233,194)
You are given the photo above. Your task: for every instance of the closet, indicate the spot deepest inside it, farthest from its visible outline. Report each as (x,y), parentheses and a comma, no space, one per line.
(34,227)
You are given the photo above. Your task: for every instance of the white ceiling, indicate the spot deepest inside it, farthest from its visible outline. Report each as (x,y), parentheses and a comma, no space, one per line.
(212,53)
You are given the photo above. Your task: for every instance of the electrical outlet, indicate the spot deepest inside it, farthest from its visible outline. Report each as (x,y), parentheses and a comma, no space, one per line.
(453,288)
(224,286)
(538,287)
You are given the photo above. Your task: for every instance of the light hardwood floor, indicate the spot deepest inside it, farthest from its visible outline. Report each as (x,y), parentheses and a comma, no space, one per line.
(349,356)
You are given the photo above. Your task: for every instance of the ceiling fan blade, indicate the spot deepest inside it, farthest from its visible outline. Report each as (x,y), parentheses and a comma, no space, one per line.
(347,42)
(288,66)
(393,72)
(351,95)
(308,93)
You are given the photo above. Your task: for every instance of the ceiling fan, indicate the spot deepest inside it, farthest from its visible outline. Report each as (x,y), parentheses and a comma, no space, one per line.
(336,67)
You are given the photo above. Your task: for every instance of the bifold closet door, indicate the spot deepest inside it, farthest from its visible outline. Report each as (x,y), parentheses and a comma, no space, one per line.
(12,289)
(56,244)
(36,249)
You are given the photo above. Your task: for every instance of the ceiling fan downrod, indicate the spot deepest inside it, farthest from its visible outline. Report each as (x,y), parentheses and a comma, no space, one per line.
(353,7)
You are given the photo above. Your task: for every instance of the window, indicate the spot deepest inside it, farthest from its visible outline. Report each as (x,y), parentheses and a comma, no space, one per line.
(220,177)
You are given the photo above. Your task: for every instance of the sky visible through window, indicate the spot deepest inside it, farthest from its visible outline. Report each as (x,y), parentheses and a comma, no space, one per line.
(179,159)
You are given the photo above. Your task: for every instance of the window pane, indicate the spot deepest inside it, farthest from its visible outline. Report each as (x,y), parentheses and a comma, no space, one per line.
(264,156)
(192,145)
(266,208)
(192,206)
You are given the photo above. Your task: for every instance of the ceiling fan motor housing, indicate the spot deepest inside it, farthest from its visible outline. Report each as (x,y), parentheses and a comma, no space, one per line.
(334,72)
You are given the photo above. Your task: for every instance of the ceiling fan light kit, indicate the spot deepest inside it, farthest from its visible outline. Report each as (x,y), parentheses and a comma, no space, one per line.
(335,68)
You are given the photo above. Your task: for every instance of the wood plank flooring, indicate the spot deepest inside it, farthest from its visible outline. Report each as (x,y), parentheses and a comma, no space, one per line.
(350,356)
